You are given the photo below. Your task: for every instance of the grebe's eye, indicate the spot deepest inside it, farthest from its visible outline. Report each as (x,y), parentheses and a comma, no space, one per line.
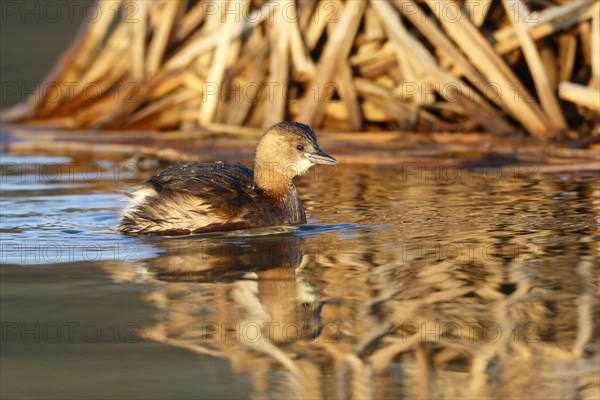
(300,147)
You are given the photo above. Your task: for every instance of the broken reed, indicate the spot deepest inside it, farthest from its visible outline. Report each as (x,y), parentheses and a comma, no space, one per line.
(432,65)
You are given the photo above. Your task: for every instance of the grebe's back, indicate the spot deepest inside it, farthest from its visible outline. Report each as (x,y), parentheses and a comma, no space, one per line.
(222,196)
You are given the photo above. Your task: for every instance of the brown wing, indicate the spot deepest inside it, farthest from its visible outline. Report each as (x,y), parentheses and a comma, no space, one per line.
(194,197)
(222,185)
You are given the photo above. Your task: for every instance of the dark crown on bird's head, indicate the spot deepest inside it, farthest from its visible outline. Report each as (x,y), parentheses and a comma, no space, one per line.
(295,128)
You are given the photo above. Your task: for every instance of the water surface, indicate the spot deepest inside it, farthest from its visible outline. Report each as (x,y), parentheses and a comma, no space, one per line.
(413,281)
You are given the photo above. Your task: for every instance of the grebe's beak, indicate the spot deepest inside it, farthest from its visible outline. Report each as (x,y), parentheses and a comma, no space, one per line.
(320,157)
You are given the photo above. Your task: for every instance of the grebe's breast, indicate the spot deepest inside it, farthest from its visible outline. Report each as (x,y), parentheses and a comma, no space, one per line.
(207,197)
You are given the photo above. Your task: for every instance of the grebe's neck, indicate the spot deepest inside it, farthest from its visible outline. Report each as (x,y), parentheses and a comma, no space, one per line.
(268,177)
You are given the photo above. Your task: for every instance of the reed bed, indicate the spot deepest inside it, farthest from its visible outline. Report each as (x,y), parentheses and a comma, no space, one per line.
(433,65)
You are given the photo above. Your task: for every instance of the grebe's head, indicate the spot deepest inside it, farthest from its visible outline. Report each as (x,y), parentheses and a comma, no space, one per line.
(290,149)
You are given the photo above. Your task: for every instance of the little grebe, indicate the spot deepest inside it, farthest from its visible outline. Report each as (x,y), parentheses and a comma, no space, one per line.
(222,196)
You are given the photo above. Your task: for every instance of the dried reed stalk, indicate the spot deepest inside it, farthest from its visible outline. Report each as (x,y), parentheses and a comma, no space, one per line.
(338,65)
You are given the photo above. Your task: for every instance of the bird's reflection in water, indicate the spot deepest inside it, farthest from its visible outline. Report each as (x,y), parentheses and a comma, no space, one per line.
(223,294)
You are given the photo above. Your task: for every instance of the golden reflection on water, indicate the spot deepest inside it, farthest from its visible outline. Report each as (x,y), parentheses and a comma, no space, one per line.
(403,287)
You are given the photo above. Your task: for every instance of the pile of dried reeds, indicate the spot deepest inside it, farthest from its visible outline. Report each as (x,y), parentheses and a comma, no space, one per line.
(432,65)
